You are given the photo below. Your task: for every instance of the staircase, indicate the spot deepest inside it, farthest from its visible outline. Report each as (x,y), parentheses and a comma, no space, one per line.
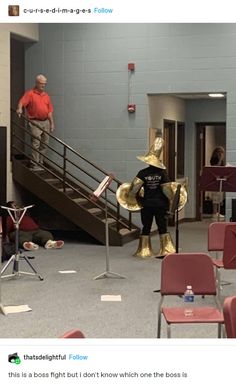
(66,182)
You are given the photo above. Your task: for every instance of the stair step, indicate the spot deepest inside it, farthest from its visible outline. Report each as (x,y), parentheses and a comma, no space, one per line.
(76,204)
(67,190)
(109,220)
(52,180)
(125,231)
(95,210)
(80,200)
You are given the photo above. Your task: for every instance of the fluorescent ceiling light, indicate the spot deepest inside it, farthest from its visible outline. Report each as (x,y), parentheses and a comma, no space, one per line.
(216,95)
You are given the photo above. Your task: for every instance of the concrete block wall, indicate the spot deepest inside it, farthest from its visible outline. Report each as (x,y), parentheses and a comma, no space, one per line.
(86,66)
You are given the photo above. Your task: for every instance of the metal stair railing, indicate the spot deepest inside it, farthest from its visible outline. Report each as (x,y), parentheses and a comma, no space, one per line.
(72,169)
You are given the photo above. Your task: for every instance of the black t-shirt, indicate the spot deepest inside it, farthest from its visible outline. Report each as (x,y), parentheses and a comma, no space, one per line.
(153,177)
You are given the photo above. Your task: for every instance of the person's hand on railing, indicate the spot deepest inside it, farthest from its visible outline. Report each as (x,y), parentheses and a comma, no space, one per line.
(51,120)
(19,111)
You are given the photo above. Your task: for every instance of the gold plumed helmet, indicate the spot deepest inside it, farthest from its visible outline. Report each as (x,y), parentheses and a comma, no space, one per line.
(170,189)
(153,156)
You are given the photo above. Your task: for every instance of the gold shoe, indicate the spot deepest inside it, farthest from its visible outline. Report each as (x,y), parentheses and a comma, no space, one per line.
(166,245)
(144,250)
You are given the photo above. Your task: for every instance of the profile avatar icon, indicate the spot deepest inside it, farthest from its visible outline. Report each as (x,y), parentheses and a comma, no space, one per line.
(14,358)
(13,10)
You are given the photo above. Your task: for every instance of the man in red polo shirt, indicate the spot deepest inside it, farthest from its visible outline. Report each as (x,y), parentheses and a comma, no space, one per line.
(39,110)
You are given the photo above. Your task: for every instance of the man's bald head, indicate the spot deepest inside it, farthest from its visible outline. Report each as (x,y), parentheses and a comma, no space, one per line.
(41,78)
(40,82)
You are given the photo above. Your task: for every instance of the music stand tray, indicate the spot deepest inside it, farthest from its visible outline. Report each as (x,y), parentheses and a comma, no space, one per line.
(218,178)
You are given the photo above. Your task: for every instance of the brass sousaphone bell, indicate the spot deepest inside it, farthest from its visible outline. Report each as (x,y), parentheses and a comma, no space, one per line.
(128,199)
(153,157)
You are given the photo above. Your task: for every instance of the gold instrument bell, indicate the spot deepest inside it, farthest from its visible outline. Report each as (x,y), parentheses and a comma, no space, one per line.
(144,250)
(170,189)
(128,199)
(153,156)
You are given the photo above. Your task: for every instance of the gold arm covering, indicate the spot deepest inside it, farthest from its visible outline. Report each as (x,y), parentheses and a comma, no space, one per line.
(128,195)
(136,185)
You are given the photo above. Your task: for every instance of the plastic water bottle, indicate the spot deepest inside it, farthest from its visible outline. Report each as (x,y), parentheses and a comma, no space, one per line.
(188,299)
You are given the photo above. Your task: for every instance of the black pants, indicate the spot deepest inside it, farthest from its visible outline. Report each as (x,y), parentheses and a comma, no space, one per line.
(37,236)
(161,217)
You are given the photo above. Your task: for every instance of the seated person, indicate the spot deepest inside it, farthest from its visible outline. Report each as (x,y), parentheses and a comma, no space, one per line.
(30,235)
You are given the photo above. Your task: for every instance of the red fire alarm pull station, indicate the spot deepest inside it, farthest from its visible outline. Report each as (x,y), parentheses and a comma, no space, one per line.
(131,66)
(131,108)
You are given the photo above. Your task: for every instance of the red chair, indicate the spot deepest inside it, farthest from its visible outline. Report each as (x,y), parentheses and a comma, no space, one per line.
(229,253)
(229,311)
(179,270)
(74,333)
(216,234)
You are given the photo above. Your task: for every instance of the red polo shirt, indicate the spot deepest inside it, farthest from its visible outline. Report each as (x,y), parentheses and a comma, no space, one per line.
(37,104)
(27,223)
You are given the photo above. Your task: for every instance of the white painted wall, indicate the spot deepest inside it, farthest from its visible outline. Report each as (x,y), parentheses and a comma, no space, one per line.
(27,32)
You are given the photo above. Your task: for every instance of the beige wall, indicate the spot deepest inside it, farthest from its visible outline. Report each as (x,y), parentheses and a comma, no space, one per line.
(26,32)
(164,107)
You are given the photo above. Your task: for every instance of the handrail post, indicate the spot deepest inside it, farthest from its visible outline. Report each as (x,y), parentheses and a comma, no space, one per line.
(130,220)
(64,168)
(117,213)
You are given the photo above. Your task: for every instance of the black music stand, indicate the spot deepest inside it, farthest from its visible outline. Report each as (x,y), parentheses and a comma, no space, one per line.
(96,194)
(218,178)
(16,216)
(175,211)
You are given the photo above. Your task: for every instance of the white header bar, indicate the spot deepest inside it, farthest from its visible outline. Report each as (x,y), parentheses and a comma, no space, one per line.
(116,11)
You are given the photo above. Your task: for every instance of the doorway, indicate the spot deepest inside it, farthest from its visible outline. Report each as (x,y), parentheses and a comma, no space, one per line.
(208,136)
